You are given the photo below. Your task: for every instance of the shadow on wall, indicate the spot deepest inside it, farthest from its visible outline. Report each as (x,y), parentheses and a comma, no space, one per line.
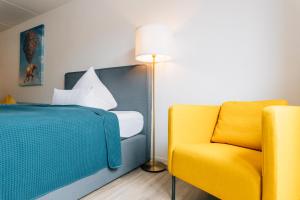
(173,14)
(2,92)
(290,79)
(127,57)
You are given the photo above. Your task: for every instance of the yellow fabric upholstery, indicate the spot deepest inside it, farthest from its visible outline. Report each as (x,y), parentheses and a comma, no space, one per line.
(8,100)
(190,124)
(231,172)
(226,171)
(281,153)
(239,123)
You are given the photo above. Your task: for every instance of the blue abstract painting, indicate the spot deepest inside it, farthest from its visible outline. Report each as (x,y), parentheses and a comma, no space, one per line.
(32,56)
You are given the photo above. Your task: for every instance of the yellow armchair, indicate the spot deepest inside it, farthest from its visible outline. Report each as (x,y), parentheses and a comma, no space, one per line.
(8,100)
(231,172)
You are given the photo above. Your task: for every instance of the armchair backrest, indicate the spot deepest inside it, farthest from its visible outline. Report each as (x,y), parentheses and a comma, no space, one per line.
(240,123)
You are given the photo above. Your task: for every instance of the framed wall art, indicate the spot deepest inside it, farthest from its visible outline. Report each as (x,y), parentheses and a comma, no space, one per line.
(32,56)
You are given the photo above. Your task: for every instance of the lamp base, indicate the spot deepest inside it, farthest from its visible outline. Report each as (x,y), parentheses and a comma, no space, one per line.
(154,166)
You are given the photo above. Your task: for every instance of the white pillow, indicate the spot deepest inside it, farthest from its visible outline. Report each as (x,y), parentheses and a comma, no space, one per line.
(90,100)
(76,97)
(98,96)
(68,97)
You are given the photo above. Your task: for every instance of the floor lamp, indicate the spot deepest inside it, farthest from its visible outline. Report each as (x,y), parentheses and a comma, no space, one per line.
(152,46)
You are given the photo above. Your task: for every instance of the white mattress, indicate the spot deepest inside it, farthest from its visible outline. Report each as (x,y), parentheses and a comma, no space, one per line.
(131,123)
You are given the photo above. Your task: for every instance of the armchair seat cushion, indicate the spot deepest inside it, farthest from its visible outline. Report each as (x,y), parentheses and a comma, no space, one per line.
(226,171)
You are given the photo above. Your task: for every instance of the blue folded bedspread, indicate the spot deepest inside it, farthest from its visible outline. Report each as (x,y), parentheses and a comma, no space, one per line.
(43,147)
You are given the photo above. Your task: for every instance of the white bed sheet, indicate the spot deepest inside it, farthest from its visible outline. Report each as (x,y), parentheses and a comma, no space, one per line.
(130,122)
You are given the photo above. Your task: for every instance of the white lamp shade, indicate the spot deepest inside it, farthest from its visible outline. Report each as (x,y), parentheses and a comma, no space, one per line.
(153,39)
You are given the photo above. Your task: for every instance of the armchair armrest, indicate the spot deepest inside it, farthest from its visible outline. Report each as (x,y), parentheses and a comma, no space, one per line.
(281,150)
(190,124)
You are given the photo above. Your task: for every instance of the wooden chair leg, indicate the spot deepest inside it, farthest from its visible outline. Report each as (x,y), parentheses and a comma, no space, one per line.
(173,187)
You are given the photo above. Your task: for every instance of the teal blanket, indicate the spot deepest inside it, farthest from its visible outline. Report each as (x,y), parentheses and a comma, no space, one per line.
(43,147)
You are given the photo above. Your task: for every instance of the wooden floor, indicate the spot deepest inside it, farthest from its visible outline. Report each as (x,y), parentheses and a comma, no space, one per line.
(140,185)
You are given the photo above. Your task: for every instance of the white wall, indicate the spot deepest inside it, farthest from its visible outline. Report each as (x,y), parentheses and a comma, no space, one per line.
(223,50)
(1,74)
(2,93)
(1,84)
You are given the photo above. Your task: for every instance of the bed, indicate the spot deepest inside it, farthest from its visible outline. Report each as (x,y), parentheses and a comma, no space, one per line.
(130,87)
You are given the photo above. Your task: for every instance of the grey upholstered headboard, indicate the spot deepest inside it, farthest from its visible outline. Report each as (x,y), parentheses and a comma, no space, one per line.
(130,86)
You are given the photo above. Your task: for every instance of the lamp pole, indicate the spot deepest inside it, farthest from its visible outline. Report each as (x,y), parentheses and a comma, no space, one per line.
(153,108)
(153,165)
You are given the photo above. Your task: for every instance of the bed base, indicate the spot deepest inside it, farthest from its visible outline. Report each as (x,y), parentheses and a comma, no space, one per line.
(133,156)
